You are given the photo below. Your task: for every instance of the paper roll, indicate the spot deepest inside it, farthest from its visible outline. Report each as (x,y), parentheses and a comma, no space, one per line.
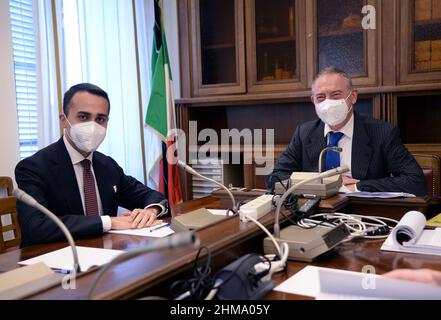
(409,228)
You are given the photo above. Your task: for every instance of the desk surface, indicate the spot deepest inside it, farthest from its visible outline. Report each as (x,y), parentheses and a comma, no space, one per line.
(228,240)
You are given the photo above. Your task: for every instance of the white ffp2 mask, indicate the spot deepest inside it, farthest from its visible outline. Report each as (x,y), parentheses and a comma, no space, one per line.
(87,136)
(333,112)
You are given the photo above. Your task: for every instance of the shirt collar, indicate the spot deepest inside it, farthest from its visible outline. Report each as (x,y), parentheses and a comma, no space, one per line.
(75,156)
(347,130)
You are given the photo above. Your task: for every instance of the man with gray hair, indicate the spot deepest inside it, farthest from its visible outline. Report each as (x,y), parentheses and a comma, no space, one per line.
(372,149)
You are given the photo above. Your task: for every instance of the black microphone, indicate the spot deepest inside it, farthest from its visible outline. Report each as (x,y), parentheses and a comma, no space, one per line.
(177,240)
(30,201)
(192,171)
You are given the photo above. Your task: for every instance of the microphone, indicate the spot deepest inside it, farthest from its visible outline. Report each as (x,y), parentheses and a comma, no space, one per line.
(323,152)
(30,201)
(177,240)
(190,170)
(322,175)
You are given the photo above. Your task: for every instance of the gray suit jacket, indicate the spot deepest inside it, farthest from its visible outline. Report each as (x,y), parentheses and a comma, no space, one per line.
(379,159)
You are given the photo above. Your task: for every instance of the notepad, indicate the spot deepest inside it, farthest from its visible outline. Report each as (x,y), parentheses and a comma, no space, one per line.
(326,283)
(63,260)
(410,236)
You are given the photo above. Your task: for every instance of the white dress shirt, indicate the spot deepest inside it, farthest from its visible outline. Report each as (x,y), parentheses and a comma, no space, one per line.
(76,158)
(346,144)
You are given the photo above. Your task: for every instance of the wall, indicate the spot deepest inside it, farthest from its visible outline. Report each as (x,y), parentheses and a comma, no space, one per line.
(8,115)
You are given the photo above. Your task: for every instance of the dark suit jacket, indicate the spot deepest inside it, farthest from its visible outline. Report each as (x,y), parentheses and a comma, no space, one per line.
(49,177)
(379,159)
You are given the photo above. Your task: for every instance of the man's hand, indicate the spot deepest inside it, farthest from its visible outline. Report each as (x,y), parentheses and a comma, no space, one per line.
(350,183)
(143,218)
(137,219)
(121,223)
(420,275)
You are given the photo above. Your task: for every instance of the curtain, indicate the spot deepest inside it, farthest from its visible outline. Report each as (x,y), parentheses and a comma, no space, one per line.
(99,47)
(47,85)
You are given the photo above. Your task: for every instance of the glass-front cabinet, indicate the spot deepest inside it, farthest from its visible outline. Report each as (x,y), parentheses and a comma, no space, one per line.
(421,53)
(346,38)
(218,47)
(275,35)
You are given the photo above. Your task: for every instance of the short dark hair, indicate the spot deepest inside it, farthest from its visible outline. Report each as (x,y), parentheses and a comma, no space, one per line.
(333,70)
(83,87)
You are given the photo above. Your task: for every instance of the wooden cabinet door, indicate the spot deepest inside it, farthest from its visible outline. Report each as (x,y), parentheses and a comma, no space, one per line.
(276,45)
(345,37)
(218,47)
(420,48)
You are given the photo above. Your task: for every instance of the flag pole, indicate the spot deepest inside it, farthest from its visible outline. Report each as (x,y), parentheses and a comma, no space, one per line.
(138,75)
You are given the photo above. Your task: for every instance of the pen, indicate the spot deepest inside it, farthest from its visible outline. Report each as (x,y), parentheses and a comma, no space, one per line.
(159,227)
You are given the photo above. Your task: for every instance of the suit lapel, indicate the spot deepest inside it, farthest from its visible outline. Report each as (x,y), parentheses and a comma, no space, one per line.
(314,145)
(361,149)
(105,187)
(64,175)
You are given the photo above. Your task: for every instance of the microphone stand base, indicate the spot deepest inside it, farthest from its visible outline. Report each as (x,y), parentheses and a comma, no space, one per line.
(195,220)
(307,244)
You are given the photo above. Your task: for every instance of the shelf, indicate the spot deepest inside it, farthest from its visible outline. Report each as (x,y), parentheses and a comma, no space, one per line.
(340,33)
(220,46)
(427,22)
(278,148)
(276,40)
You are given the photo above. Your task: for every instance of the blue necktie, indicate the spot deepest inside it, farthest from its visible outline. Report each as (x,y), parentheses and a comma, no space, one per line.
(333,157)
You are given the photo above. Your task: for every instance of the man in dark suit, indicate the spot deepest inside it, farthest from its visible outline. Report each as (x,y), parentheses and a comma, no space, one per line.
(372,149)
(84,188)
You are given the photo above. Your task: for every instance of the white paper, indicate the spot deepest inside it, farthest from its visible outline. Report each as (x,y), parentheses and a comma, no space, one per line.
(304,283)
(218,212)
(382,195)
(325,283)
(160,231)
(63,260)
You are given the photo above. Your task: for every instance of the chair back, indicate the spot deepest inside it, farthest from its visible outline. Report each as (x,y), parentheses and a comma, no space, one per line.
(10,233)
(431,165)
(6,186)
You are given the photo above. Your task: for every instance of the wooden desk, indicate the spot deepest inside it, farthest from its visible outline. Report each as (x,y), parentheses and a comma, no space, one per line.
(152,273)
(393,208)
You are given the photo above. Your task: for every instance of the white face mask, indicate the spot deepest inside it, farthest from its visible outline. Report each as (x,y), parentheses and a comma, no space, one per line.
(333,112)
(87,136)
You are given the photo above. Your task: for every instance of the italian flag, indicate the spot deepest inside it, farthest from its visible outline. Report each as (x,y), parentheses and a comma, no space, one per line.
(161,118)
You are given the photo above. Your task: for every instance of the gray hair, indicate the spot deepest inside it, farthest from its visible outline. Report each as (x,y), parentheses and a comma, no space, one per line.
(333,70)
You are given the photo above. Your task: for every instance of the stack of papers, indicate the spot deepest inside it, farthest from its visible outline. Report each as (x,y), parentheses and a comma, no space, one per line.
(325,284)
(410,236)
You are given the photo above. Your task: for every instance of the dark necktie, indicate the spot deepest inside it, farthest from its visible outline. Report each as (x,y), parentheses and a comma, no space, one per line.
(333,157)
(90,197)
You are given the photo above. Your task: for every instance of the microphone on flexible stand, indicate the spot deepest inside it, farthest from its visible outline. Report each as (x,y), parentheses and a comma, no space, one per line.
(315,184)
(304,244)
(177,240)
(323,152)
(30,201)
(36,277)
(200,218)
(329,173)
(192,171)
